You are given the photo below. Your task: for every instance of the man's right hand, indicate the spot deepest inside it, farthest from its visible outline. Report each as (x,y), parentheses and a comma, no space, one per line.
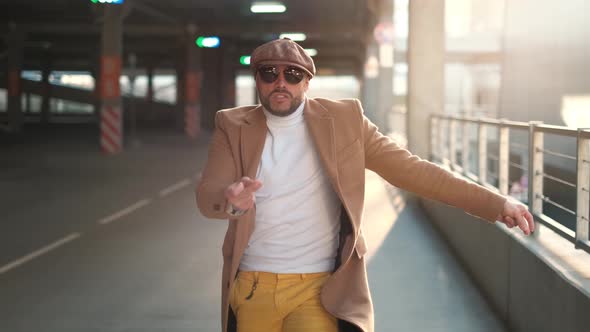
(241,194)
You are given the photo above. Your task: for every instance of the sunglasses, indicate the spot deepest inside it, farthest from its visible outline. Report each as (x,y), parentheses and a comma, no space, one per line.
(270,74)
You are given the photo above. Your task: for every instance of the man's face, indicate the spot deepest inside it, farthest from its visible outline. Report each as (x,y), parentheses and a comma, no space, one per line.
(284,94)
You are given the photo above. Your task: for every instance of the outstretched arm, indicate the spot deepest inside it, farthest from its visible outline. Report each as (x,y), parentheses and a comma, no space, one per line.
(409,172)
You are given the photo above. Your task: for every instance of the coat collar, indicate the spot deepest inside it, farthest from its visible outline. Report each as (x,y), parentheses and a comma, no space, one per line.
(321,127)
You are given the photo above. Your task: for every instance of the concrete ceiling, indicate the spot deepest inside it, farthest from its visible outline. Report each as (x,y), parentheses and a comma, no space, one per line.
(68,31)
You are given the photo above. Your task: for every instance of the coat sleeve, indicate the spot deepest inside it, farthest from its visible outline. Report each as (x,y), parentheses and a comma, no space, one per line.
(218,174)
(407,171)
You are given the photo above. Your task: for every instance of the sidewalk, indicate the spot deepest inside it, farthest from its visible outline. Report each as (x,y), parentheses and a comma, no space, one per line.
(415,282)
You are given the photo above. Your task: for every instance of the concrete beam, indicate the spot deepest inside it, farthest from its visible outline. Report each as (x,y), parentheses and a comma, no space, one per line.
(257,29)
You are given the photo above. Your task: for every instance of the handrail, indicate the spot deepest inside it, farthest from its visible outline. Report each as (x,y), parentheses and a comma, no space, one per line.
(447,154)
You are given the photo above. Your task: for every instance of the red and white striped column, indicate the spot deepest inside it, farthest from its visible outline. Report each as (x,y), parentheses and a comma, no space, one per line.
(111,130)
(111,115)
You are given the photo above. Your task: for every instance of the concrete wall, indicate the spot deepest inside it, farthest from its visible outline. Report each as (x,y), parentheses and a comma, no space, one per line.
(529,290)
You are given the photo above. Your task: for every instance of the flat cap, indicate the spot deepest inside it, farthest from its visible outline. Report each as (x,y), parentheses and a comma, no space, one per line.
(282,52)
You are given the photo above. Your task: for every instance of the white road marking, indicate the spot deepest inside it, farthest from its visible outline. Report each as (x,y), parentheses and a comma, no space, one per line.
(124,212)
(175,187)
(39,252)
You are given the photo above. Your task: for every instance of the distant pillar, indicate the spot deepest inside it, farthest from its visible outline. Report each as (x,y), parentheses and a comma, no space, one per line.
(228,68)
(213,91)
(370,88)
(149,96)
(180,70)
(111,113)
(426,51)
(14,43)
(45,88)
(94,69)
(384,35)
(192,87)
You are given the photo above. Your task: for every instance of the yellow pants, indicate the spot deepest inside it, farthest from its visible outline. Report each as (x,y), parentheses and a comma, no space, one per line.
(272,302)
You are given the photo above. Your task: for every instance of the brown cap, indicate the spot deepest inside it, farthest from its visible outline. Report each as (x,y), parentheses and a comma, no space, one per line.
(282,52)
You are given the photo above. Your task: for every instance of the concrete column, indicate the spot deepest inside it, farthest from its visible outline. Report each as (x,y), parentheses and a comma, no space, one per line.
(45,88)
(14,43)
(94,69)
(111,124)
(180,70)
(192,87)
(228,68)
(384,34)
(150,112)
(213,91)
(426,52)
(370,84)
(149,96)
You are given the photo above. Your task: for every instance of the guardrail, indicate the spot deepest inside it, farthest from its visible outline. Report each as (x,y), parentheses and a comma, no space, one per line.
(443,148)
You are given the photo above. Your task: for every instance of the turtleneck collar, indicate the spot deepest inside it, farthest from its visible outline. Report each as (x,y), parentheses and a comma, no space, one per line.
(285,121)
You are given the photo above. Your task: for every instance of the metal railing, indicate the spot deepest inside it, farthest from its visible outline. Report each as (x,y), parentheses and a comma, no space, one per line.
(444,148)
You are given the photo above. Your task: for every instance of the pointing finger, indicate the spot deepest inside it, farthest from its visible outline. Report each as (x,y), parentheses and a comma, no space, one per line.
(253,185)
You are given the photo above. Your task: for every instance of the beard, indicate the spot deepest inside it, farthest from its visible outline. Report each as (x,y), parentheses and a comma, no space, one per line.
(265,101)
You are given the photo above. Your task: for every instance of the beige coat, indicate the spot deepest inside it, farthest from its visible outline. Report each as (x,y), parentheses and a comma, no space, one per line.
(347,143)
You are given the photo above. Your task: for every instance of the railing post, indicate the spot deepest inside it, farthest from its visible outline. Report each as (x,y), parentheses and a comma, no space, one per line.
(441,141)
(583,188)
(453,142)
(503,158)
(482,138)
(465,148)
(431,135)
(535,186)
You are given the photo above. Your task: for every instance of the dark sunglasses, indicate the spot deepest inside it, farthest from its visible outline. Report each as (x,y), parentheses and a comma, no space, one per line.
(269,74)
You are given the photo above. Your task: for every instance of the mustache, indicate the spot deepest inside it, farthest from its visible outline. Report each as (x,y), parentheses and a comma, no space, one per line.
(281,91)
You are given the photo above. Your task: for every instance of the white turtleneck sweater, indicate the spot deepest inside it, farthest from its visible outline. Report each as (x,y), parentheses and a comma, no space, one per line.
(297,211)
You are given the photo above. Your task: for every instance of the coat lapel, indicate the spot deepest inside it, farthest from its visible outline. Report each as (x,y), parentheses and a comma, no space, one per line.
(253,135)
(321,128)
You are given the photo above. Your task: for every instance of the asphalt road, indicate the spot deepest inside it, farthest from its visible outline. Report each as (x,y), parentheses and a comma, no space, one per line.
(96,243)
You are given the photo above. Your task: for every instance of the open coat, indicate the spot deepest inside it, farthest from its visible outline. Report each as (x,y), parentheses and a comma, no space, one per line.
(347,143)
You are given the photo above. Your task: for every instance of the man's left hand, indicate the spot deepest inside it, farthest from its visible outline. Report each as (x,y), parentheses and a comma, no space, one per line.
(517,214)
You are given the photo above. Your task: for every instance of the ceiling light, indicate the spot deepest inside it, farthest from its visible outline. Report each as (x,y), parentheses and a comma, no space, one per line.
(311,51)
(295,36)
(267,7)
(208,42)
(108,1)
